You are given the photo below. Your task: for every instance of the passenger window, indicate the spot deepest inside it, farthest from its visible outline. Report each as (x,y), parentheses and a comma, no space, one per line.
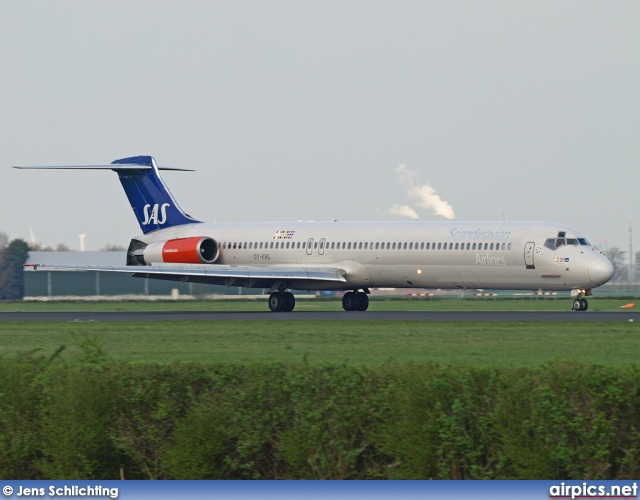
(315,245)
(422,246)
(457,245)
(360,245)
(393,247)
(428,245)
(411,246)
(509,246)
(491,246)
(349,246)
(439,246)
(405,245)
(468,246)
(450,246)
(271,245)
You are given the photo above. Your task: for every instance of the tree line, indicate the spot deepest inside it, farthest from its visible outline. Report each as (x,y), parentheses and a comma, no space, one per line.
(620,261)
(13,255)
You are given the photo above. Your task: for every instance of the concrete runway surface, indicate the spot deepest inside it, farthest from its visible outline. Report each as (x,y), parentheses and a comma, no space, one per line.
(483,316)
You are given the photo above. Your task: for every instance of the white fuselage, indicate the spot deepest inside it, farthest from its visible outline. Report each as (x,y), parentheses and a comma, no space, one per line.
(494,255)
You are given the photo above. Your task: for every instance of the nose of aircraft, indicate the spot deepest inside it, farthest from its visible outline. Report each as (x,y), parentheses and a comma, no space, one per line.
(600,270)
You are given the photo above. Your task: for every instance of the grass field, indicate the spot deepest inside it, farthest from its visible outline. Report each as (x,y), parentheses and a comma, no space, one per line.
(359,342)
(461,343)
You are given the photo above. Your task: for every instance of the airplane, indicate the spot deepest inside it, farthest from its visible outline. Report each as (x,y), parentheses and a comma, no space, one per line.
(345,256)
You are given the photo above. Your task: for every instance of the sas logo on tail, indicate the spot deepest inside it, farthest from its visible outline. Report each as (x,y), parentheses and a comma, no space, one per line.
(151,214)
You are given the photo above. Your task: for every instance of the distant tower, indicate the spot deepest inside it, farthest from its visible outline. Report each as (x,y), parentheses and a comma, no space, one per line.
(631,274)
(32,237)
(82,237)
(604,244)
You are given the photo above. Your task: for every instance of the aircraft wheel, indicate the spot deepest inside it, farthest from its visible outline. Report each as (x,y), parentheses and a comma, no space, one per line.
(362,302)
(277,302)
(584,304)
(577,305)
(349,301)
(289,301)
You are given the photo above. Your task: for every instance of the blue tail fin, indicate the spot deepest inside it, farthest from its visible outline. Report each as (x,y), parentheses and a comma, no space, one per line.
(150,199)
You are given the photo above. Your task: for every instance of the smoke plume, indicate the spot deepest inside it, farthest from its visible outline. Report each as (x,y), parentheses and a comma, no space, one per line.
(423,195)
(404,211)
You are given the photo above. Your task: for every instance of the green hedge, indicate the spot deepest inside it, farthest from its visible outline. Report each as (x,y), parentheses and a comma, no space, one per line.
(95,418)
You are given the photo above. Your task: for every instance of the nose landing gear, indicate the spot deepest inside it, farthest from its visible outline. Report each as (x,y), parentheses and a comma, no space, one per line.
(580,303)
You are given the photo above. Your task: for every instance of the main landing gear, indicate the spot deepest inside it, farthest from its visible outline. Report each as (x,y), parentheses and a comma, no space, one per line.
(282,301)
(285,301)
(355,301)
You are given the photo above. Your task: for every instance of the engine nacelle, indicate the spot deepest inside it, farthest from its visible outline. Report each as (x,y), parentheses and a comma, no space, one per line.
(195,250)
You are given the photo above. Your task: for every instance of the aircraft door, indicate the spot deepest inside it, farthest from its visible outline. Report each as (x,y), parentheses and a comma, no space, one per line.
(528,255)
(321,245)
(310,246)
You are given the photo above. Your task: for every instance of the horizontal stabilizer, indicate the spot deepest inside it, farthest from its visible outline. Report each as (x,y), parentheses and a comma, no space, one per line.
(150,199)
(131,166)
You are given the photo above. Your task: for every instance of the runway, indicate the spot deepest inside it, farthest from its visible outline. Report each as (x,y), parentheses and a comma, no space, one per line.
(479,316)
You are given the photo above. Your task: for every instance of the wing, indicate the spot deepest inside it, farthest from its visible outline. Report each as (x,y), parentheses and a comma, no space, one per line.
(245,276)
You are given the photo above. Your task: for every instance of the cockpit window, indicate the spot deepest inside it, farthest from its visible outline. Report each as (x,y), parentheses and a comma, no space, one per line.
(554,243)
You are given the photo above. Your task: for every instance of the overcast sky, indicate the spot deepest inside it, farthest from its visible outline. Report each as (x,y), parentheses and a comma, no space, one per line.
(294,110)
